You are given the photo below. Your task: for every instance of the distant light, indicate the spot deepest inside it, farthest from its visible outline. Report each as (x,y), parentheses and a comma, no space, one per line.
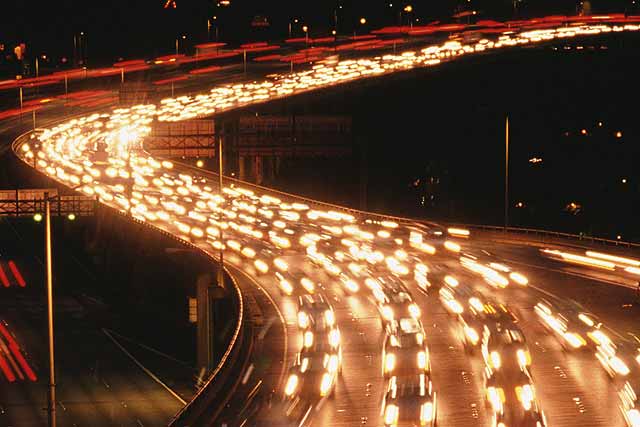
(305,28)
(71,217)
(390,4)
(599,124)
(333,32)
(363,21)
(408,8)
(199,163)
(520,205)
(624,180)
(618,134)
(583,131)
(535,160)
(37,217)
(618,237)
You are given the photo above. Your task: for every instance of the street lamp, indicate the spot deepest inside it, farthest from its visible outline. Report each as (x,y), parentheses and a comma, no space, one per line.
(506,175)
(209,25)
(52,370)
(407,9)
(306,34)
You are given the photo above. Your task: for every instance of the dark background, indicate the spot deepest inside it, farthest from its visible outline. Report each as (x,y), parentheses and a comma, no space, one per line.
(143,28)
(431,143)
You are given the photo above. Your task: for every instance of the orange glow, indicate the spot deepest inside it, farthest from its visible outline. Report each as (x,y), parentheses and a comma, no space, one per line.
(614,259)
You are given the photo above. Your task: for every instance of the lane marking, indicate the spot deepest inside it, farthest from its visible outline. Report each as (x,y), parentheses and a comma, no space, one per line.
(571,273)
(141,366)
(282,320)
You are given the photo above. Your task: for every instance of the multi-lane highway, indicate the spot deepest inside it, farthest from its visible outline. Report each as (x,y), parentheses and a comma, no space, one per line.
(368,320)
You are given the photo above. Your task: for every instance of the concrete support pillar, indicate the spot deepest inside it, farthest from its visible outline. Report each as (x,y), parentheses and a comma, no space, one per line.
(269,168)
(259,170)
(242,173)
(276,165)
(205,322)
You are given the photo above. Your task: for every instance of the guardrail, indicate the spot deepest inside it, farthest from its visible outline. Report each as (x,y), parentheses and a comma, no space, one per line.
(240,343)
(549,234)
(414,221)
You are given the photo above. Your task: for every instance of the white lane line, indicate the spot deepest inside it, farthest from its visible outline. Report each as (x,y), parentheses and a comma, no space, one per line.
(557,298)
(571,273)
(141,366)
(282,320)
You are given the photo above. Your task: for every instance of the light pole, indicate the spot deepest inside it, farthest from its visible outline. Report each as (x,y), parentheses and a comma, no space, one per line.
(295,21)
(52,371)
(506,174)
(306,34)
(362,21)
(220,170)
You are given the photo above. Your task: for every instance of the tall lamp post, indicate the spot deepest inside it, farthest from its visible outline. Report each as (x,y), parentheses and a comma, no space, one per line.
(306,34)
(51,395)
(506,174)
(51,404)
(220,171)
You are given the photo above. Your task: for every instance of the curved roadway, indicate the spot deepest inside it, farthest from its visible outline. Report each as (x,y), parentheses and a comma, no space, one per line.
(102,156)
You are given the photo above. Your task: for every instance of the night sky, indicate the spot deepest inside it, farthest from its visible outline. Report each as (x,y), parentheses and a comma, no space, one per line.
(126,28)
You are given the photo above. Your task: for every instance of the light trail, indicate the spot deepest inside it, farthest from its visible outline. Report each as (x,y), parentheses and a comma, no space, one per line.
(103,155)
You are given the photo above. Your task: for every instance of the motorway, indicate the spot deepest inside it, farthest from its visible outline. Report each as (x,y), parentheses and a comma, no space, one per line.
(264,232)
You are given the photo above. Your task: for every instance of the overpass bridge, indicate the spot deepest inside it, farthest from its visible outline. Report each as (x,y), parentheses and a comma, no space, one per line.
(263,232)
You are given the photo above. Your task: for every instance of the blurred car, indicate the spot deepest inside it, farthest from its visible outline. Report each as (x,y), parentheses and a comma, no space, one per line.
(317,320)
(394,302)
(349,284)
(504,349)
(574,329)
(409,401)
(312,376)
(294,283)
(514,401)
(405,351)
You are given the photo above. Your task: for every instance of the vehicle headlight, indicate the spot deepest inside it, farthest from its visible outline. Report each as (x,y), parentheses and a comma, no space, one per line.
(455,306)
(496,361)
(387,312)
(286,287)
(472,335)
(496,398)
(619,366)
(325,384)
(414,311)
(261,266)
(426,413)
(303,320)
(525,396)
(351,285)
(391,414)
(520,279)
(334,338)
(281,264)
(292,384)
(389,362)
(334,363)
(307,284)
(329,317)
(422,360)
(574,340)
(633,415)
(308,339)
(524,358)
